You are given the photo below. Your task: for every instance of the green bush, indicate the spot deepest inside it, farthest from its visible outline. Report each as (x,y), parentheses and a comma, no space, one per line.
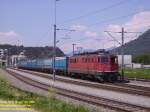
(137,73)
(144,59)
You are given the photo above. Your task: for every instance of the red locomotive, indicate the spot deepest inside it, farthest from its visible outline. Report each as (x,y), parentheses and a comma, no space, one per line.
(96,65)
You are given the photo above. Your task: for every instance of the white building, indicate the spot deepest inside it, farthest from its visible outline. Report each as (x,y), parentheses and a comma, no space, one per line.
(16,58)
(3,53)
(127,59)
(3,57)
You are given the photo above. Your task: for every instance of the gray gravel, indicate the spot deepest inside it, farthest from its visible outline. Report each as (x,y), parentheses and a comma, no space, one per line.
(17,83)
(140,83)
(123,97)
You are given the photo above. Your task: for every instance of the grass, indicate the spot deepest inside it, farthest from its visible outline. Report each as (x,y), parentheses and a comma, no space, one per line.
(41,103)
(137,73)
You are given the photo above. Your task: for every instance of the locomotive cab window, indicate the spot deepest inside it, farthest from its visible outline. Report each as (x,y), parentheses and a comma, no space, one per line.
(114,60)
(104,59)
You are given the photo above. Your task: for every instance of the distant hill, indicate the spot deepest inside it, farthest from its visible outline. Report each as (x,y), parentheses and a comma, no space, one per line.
(139,46)
(32,52)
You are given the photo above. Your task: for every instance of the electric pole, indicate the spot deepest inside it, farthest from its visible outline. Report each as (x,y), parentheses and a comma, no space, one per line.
(54,56)
(55,41)
(73,45)
(122,55)
(122,47)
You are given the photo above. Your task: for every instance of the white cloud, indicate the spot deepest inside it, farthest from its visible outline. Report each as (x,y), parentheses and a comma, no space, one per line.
(91,34)
(114,28)
(79,27)
(10,37)
(139,22)
(8,34)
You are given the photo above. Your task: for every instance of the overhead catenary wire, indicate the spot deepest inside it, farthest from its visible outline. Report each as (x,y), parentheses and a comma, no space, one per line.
(83,39)
(96,11)
(104,21)
(113,19)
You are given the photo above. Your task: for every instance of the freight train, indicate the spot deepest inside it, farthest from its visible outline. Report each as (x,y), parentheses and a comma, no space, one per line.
(99,66)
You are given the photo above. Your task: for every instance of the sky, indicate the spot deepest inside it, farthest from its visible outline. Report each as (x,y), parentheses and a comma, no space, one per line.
(31,22)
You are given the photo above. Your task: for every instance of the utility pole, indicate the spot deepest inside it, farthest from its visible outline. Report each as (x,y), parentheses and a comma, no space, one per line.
(122,47)
(55,39)
(73,48)
(122,55)
(18,48)
(54,56)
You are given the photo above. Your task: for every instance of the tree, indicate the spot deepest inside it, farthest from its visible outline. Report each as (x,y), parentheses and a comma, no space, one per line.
(144,59)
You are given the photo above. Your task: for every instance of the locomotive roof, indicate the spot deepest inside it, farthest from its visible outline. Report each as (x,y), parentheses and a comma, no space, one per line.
(98,52)
(93,55)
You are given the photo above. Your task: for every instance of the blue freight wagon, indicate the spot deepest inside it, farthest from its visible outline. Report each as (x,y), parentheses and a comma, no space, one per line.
(46,65)
(61,65)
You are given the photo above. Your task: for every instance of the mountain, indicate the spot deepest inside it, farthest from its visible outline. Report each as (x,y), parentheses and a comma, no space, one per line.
(139,46)
(32,52)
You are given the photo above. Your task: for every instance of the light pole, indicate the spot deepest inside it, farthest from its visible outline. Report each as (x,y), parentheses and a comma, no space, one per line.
(122,54)
(54,56)
(55,34)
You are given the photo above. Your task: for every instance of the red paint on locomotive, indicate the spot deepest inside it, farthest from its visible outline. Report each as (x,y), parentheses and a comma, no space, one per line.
(94,64)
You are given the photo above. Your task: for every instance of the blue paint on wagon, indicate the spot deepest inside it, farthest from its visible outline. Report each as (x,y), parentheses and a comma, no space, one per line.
(61,63)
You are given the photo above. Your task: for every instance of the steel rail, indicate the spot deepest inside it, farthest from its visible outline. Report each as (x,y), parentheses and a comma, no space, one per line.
(125,88)
(140,79)
(115,105)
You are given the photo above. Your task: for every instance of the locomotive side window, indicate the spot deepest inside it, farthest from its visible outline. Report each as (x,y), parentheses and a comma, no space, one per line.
(89,60)
(98,59)
(85,60)
(92,60)
(104,60)
(82,59)
(75,60)
(70,61)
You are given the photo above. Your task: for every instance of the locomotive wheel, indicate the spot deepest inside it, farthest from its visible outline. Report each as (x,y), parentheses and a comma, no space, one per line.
(112,78)
(99,79)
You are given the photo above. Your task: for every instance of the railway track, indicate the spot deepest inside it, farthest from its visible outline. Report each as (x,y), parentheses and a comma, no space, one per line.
(125,88)
(115,105)
(137,79)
